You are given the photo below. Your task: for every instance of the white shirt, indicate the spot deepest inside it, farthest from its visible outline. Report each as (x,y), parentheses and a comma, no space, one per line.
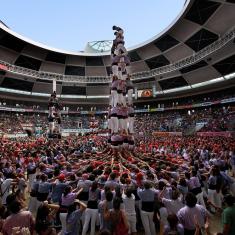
(129,204)
(5,189)
(172,206)
(163,215)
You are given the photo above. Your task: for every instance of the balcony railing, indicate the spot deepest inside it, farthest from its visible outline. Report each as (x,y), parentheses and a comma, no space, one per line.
(221,42)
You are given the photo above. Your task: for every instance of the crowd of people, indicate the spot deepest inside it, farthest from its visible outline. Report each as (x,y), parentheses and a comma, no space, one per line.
(182,101)
(41,120)
(152,183)
(214,119)
(79,185)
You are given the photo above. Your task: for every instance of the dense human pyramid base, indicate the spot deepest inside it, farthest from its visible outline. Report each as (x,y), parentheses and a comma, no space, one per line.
(80,185)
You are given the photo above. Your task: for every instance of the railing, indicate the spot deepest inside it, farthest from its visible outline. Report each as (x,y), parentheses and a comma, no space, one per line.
(221,42)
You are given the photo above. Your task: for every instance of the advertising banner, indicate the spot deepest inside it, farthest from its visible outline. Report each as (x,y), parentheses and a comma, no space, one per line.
(166,134)
(217,134)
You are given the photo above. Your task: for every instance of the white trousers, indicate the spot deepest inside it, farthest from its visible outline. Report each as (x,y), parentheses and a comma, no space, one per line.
(131,147)
(90,215)
(110,124)
(215,197)
(124,76)
(124,100)
(205,194)
(121,99)
(200,199)
(51,109)
(63,222)
(32,177)
(32,206)
(114,98)
(115,70)
(131,121)
(114,124)
(147,221)
(120,124)
(116,147)
(125,125)
(131,219)
(129,96)
(83,214)
(51,127)
(120,76)
(128,69)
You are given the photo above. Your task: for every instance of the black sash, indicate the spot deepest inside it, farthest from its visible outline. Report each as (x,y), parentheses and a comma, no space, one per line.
(196,191)
(83,196)
(212,187)
(92,204)
(147,206)
(42,196)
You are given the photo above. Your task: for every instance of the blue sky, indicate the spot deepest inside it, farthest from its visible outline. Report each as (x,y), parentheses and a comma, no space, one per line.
(70,24)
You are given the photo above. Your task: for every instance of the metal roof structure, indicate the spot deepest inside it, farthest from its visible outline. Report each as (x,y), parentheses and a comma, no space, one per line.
(196,52)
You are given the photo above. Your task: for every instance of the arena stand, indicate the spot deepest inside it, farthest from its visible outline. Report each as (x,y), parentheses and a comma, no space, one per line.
(165,158)
(213,112)
(178,179)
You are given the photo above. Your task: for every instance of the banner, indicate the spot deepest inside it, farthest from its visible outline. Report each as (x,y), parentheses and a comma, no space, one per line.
(166,134)
(78,130)
(216,134)
(156,110)
(19,135)
(27,125)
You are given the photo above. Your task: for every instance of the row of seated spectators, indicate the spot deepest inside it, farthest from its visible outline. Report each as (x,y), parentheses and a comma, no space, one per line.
(222,120)
(12,123)
(215,119)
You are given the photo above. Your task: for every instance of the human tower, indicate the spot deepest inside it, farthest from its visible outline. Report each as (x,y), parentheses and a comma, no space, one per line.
(121,111)
(54,116)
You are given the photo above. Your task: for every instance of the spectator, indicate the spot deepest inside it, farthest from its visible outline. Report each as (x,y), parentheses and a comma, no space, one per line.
(73,220)
(186,214)
(18,218)
(129,204)
(228,216)
(118,218)
(147,197)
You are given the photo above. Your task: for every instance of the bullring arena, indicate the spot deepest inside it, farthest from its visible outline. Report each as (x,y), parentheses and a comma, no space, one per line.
(121,140)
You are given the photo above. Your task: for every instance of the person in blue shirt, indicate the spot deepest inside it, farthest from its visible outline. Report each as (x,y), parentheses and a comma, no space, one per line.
(58,189)
(73,219)
(147,197)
